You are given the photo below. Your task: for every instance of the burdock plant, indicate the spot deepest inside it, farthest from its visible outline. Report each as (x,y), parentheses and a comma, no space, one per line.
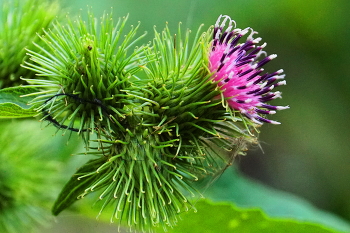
(158,117)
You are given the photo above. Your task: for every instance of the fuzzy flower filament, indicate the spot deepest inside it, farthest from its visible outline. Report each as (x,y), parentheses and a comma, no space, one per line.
(236,68)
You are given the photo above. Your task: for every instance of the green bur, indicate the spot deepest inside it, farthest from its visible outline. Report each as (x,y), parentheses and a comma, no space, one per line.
(87,70)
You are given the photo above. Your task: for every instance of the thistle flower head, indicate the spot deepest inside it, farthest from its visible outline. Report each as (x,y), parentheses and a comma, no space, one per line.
(238,71)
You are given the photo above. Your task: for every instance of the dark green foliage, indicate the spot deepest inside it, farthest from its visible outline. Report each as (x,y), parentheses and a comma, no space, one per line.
(13,105)
(20,22)
(29,177)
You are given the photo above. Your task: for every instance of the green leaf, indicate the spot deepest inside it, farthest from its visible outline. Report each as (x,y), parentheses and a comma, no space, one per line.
(76,187)
(224,217)
(12,105)
(246,193)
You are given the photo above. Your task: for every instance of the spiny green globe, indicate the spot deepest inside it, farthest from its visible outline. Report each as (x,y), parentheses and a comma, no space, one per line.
(86,72)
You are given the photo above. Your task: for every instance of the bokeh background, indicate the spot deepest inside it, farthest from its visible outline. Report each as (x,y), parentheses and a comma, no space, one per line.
(309,153)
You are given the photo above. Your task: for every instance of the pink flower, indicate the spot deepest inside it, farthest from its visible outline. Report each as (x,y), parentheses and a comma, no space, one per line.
(239,73)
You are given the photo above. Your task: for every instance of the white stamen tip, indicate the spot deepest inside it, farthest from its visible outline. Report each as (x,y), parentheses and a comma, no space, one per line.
(276,95)
(284,82)
(279,76)
(262,85)
(223,23)
(218,21)
(244,31)
(261,52)
(249,83)
(230,21)
(250,37)
(273,56)
(217,35)
(282,107)
(257,40)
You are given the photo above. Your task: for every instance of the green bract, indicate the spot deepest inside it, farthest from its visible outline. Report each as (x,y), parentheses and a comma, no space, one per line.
(153,136)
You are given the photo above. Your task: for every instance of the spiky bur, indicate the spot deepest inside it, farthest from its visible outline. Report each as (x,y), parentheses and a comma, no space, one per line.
(239,72)
(84,69)
(19,23)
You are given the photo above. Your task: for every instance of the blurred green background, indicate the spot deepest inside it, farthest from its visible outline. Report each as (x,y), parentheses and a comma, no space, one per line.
(308,154)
